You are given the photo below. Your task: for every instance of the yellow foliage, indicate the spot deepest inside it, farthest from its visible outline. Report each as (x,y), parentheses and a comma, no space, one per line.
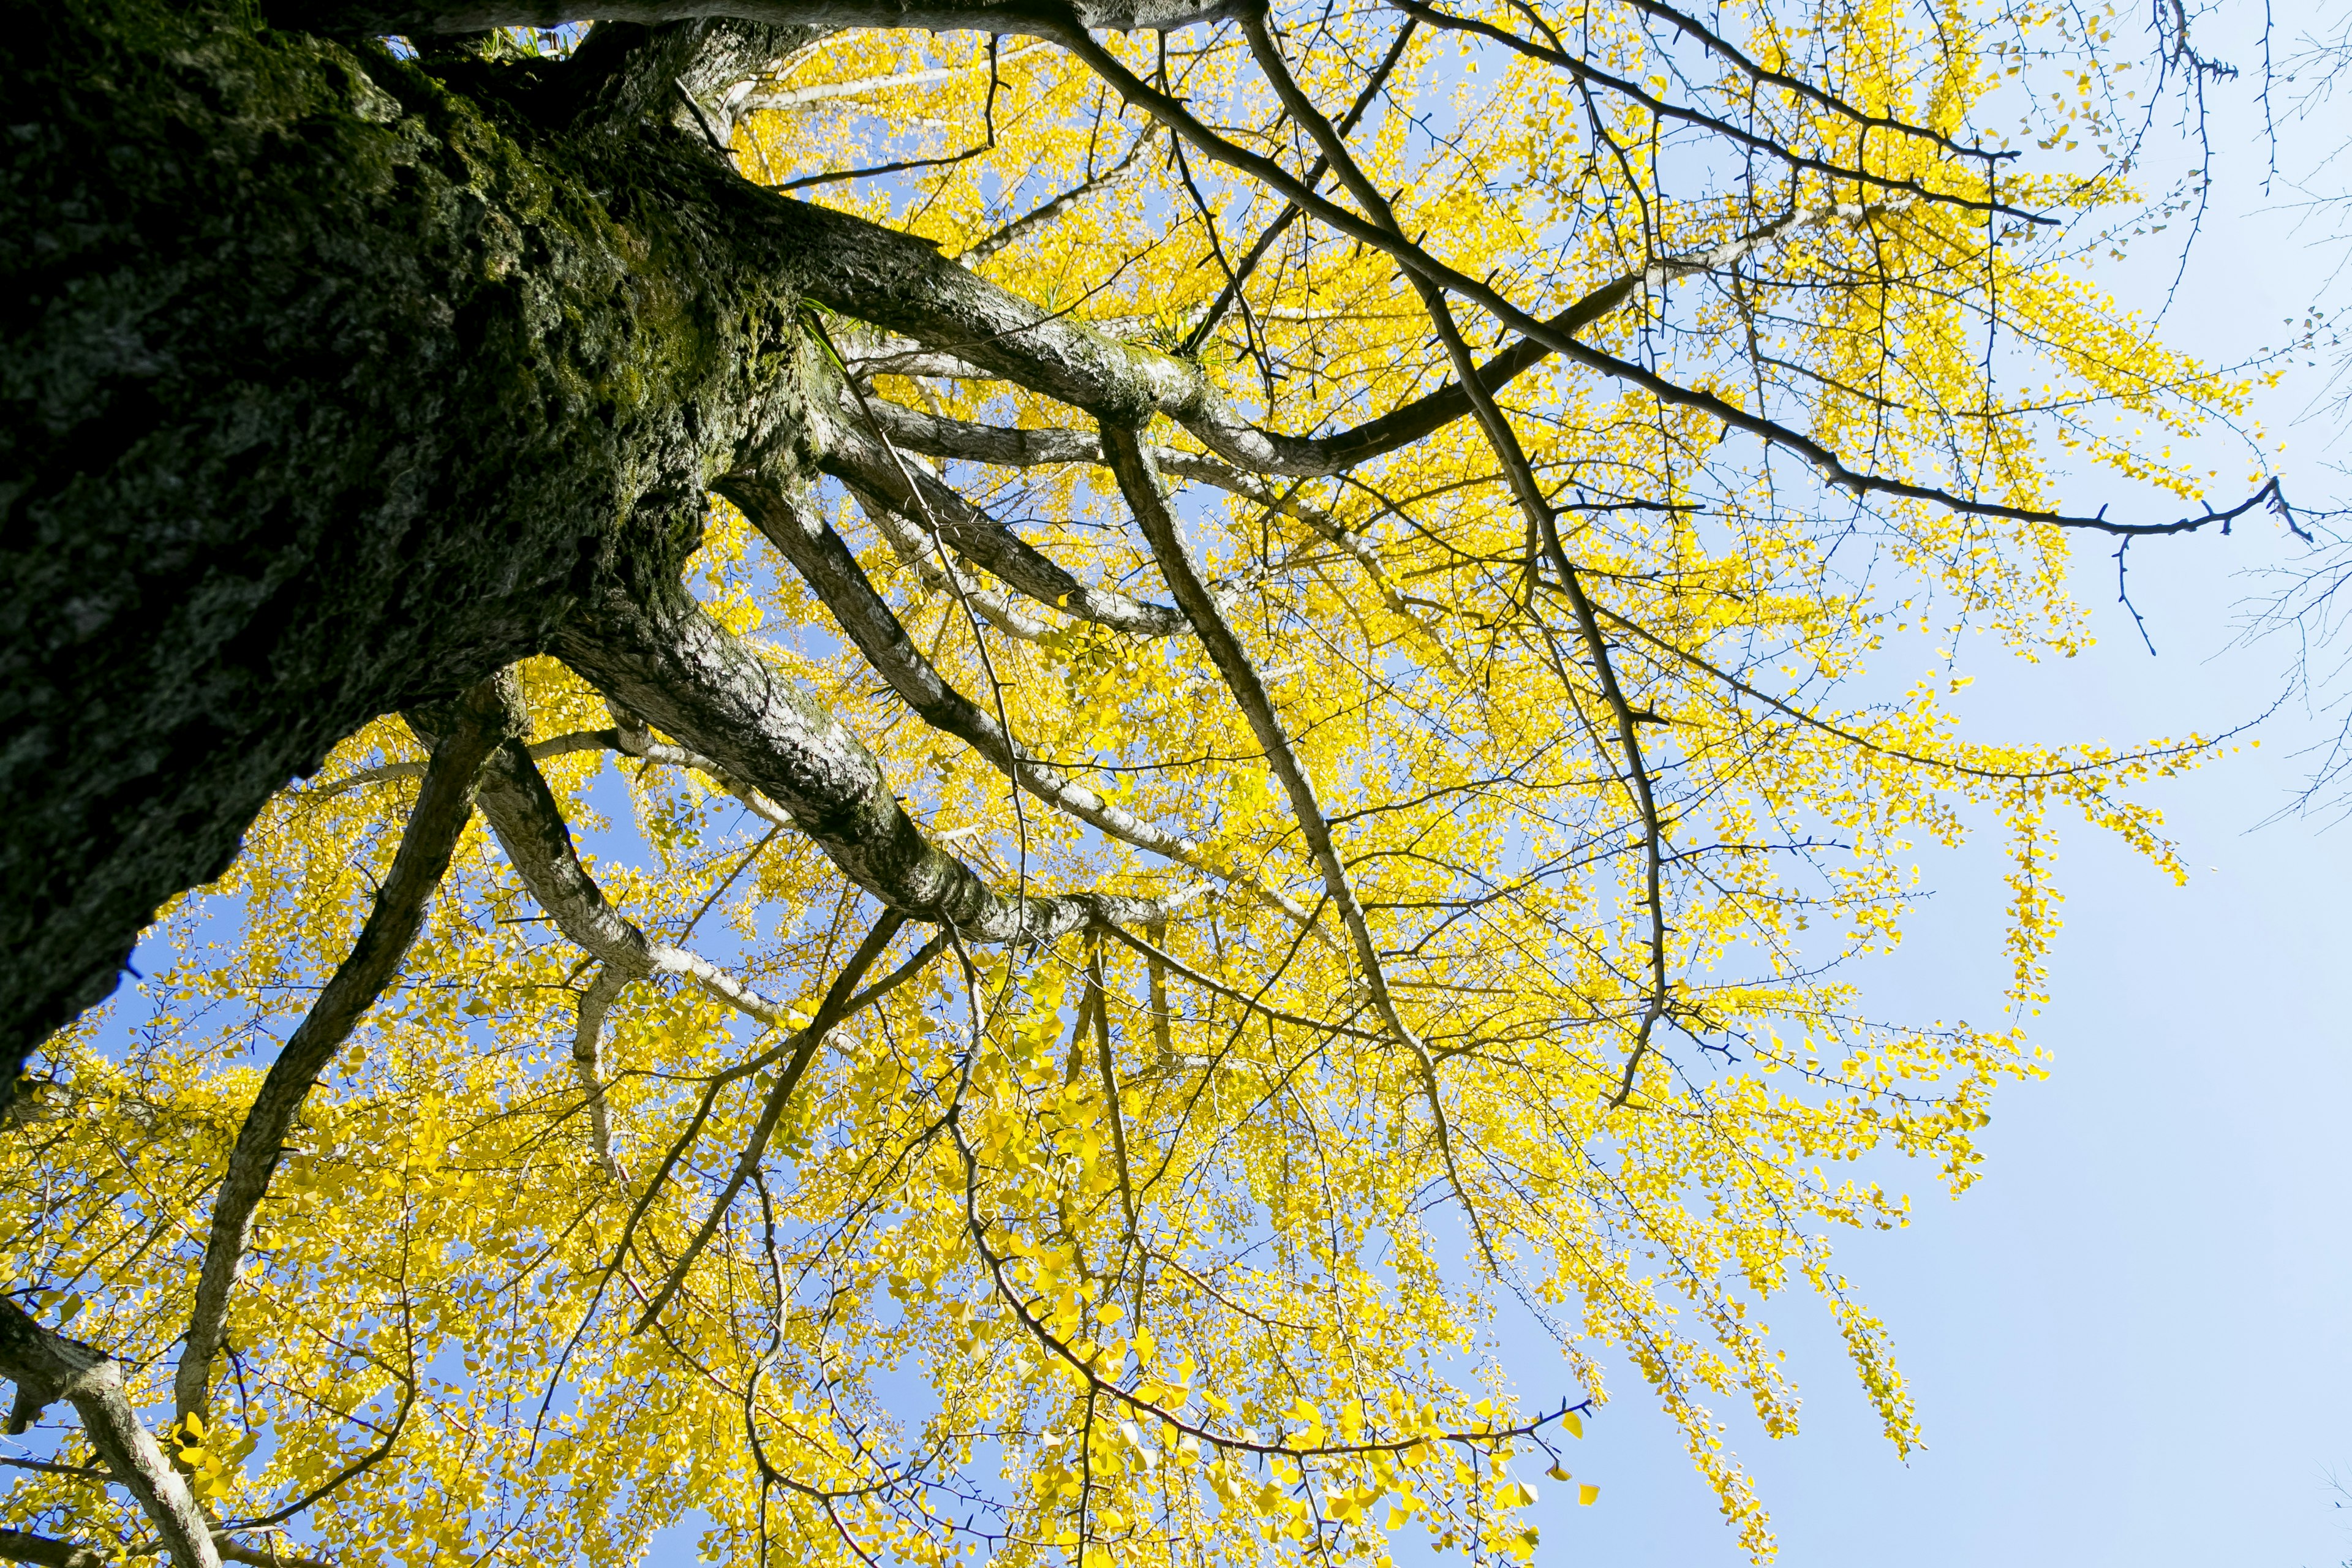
(1165,1236)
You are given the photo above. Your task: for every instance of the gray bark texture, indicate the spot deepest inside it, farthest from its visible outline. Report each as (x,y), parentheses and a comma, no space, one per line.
(330,384)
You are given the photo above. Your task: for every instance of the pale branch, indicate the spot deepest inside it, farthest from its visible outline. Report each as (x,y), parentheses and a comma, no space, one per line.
(264,1556)
(903,285)
(467,731)
(942,576)
(1139,484)
(726,67)
(689,74)
(529,822)
(824,562)
(1118,1116)
(646,642)
(643,747)
(893,358)
(45,1366)
(587,1041)
(838,1000)
(855,457)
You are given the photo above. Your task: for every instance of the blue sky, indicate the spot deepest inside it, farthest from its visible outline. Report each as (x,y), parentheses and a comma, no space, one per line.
(2129,1342)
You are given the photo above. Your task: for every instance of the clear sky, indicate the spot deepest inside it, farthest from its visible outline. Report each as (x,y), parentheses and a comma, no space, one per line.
(2131,1343)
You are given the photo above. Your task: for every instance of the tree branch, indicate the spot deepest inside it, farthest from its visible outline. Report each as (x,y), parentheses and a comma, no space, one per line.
(649,644)
(467,731)
(45,1551)
(1541,524)
(376,18)
(857,458)
(1137,481)
(839,999)
(823,561)
(45,1367)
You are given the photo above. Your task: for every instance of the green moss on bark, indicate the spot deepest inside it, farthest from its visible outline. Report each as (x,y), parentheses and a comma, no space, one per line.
(328,390)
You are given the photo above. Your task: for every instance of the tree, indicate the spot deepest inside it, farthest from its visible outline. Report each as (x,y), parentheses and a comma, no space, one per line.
(1323,672)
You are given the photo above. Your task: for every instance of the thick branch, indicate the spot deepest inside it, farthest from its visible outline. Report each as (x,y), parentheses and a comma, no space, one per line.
(1082,367)
(47,1367)
(24,1546)
(47,1551)
(524,813)
(587,1041)
(467,729)
(650,646)
(901,283)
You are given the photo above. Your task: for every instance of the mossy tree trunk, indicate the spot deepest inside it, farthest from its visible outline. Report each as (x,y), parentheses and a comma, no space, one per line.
(333,382)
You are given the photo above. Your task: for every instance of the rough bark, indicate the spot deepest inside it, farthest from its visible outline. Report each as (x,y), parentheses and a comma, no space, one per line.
(644,641)
(332,383)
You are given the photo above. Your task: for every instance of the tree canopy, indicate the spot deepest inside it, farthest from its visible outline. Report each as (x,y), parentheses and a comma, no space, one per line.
(1313,653)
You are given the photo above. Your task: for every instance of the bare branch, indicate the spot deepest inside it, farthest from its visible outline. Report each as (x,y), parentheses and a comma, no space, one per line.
(529,826)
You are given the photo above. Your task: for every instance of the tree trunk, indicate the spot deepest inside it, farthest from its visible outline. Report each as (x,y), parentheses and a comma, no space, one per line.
(333,382)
